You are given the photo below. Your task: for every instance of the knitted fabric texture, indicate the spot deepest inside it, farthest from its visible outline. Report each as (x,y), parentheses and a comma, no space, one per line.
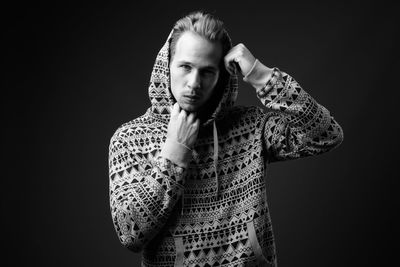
(210,214)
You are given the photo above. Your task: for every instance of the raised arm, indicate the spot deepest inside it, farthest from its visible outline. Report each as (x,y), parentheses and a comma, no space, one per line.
(146,171)
(294,125)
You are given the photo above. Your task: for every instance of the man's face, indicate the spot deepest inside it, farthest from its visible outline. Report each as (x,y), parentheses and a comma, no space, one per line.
(194,70)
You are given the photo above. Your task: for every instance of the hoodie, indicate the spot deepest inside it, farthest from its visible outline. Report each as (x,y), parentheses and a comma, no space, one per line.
(214,211)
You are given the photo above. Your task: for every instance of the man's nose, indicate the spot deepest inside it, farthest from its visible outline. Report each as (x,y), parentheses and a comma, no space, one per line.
(194,80)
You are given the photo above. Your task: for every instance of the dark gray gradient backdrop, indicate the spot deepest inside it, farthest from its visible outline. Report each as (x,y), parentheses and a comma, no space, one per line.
(74,73)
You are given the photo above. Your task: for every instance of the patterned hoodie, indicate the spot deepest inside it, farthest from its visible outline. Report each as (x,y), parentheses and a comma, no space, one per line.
(214,212)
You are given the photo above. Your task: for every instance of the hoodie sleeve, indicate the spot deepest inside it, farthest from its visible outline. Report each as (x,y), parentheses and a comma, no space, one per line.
(144,188)
(295,125)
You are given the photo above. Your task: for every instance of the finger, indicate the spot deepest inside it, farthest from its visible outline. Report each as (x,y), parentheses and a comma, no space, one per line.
(191,117)
(232,69)
(177,106)
(175,109)
(228,59)
(244,59)
(237,53)
(196,124)
(236,60)
(231,60)
(229,67)
(182,114)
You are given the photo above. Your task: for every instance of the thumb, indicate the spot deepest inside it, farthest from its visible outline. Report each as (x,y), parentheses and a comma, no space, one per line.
(175,109)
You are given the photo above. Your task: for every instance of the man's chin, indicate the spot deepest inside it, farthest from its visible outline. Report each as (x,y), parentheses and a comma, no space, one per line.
(189,108)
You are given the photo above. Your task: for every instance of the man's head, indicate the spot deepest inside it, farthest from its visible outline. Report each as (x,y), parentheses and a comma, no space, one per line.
(198,44)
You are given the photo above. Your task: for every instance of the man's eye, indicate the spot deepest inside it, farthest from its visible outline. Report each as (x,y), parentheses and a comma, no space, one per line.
(186,67)
(209,73)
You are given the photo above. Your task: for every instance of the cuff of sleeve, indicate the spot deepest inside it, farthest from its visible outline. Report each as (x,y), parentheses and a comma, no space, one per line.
(258,75)
(275,76)
(176,153)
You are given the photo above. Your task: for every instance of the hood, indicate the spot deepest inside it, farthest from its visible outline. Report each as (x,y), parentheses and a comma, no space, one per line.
(162,99)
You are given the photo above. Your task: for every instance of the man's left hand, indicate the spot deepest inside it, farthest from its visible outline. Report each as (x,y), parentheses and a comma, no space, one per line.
(239,56)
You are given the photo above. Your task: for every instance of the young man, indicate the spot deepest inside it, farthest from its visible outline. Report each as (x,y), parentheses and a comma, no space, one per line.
(187,178)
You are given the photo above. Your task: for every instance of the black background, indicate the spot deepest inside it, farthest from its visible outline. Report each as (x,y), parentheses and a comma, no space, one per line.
(74,72)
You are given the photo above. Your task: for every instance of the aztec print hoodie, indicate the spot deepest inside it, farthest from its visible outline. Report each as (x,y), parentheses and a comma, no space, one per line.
(214,212)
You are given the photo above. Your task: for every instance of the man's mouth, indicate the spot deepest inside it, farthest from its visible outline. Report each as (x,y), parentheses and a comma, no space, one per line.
(192,98)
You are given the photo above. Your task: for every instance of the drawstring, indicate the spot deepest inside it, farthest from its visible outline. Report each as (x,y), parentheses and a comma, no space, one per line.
(215,134)
(182,204)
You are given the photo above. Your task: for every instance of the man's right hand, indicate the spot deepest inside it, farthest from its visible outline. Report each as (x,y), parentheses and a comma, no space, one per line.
(183,127)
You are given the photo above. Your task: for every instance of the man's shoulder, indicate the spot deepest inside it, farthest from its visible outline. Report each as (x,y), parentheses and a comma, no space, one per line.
(140,125)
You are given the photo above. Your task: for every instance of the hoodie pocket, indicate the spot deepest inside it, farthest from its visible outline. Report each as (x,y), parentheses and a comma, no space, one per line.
(258,251)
